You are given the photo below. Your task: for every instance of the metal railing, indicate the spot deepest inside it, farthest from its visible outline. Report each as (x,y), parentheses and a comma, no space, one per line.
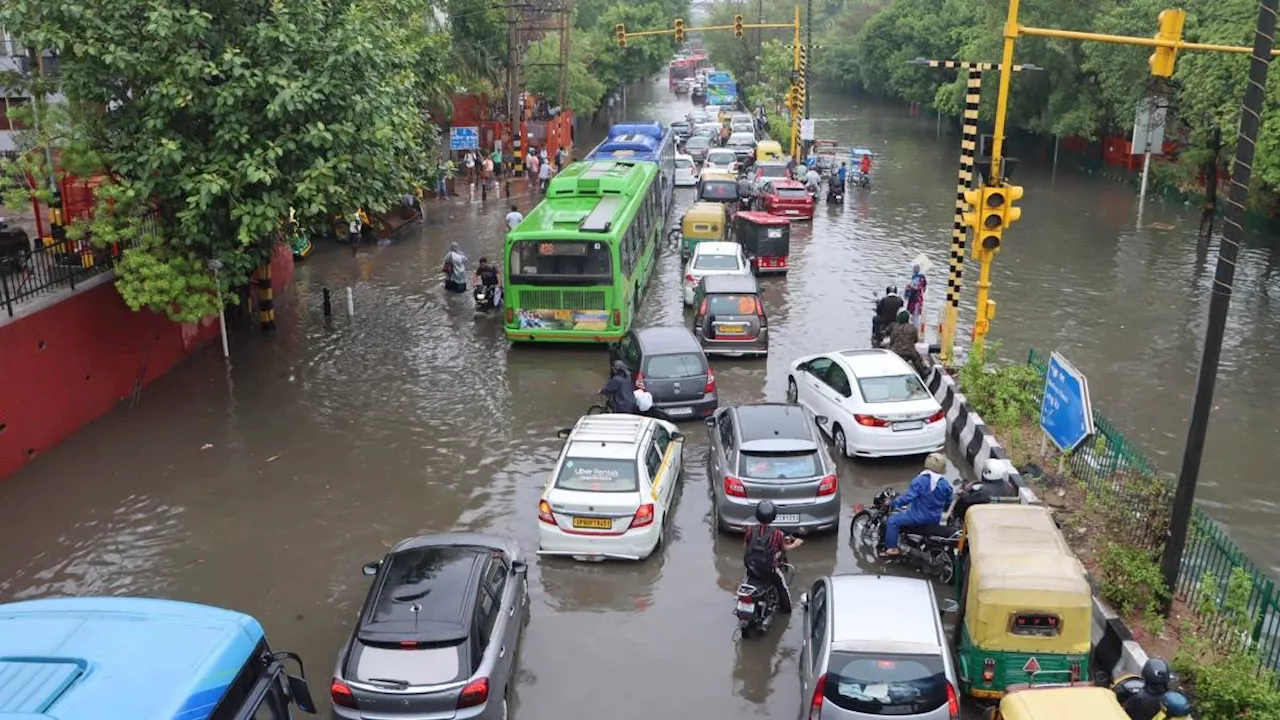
(1117,472)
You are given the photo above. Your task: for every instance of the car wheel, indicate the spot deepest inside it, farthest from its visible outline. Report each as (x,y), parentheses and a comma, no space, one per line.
(793,392)
(840,441)
(715,517)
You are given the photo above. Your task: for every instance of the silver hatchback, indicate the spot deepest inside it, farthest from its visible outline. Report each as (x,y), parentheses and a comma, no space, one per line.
(771,451)
(875,647)
(729,317)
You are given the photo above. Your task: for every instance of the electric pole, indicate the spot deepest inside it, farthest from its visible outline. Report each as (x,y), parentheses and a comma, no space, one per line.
(566,19)
(515,109)
(759,42)
(808,43)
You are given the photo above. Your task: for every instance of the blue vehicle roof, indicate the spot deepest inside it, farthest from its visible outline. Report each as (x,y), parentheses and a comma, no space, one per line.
(119,658)
(719,78)
(860,151)
(627,147)
(653,130)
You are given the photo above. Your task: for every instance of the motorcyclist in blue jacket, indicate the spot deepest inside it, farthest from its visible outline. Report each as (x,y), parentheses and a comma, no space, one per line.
(929,496)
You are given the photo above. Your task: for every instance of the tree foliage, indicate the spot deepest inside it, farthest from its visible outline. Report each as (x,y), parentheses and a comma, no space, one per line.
(225,114)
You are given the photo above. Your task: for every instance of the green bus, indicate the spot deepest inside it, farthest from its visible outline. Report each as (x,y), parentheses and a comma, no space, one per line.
(576,268)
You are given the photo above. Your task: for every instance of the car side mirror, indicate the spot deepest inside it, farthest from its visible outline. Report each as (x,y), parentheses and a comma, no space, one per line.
(563,433)
(710,421)
(371,568)
(802,367)
(949,606)
(677,436)
(519,567)
(301,694)
(804,600)
(821,419)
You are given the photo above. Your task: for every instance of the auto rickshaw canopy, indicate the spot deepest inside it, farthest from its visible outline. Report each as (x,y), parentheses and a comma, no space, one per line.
(1059,702)
(1001,527)
(704,221)
(761,233)
(1028,602)
(768,151)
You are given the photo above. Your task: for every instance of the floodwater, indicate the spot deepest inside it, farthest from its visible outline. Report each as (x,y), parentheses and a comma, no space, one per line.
(264,488)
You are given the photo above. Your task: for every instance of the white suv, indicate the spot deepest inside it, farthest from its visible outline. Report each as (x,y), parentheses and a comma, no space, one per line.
(610,491)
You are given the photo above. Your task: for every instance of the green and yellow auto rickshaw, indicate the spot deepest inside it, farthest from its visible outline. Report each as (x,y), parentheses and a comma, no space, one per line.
(702,222)
(1025,602)
(1072,701)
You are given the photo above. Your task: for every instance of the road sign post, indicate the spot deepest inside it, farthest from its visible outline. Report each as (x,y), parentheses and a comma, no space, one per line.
(1148,138)
(464,138)
(1066,413)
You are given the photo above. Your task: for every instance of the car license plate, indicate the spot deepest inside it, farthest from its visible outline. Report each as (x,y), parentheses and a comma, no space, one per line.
(732,329)
(912,425)
(787,519)
(746,608)
(793,212)
(593,523)
(679,411)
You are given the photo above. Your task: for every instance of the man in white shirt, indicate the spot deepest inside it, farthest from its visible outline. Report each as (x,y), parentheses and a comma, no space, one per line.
(544,177)
(514,218)
(812,180)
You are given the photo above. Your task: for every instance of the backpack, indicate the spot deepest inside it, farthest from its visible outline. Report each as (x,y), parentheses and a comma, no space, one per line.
(448,266)
(759,556)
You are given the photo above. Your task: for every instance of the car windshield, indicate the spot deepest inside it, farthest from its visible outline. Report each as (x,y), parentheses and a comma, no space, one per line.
(561,262)
(684,163)
(698,142)
(788,193)
(431,665)
(597,475)
(892,388)
(720,156)
(719,190)
(741,140)
(716,262)
(773,171)
(674,367)
(731,305)
(779,466)
(886,684)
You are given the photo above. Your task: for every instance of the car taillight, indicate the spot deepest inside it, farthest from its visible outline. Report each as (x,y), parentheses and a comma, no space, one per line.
(827,486)
(733,487)
(815,705)
(688,277)
(953,703)
(643,517)
(988,670)
(545,514)
(870,421)
(511,314)
(341,695)
(639,380)
(938,416)
(711,381)
(475,693)
(764,319)
(1075,671)
(782,262)
(617,317)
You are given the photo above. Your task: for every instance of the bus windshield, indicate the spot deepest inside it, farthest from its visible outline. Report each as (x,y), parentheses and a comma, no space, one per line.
(560,262)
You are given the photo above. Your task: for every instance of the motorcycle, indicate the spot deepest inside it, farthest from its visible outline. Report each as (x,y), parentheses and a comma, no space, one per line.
(813,194)
(1173,704)
(757,603)
(835,193)
(931,549)
(857,178)
(487,297)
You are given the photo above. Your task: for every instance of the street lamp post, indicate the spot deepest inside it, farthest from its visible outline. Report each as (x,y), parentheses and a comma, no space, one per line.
(215,265)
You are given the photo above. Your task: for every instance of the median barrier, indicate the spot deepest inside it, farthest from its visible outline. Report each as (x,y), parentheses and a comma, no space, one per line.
(1115,650)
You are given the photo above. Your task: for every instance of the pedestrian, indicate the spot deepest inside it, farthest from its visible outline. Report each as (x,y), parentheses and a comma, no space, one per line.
(534,164)
(354,228)
(544,177)
(560,154)
(864,165)
(442,180)
(542,155)
(914,294)
(514,218)
(469,161)
(455,269)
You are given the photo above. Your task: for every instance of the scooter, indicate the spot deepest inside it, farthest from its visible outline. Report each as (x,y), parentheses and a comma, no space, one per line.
(487,297)
(857,178)
(931,549)
(1173,704)
(757,603)
(835,193)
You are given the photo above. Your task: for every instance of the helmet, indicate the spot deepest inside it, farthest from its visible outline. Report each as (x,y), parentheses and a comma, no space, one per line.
(619,367)
(765,512)
(884,497)
(995,470)
(936,462)
(889,290)
(1156,675)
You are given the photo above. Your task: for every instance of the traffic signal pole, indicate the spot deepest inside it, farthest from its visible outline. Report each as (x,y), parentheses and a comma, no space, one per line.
(795,70)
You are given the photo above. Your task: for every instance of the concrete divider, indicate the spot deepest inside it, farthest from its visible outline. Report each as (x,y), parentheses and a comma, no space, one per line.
(1115,650)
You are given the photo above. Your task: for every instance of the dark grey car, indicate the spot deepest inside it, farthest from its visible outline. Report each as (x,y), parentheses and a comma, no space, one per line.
(771,451)
(729,317)
(439,632)
(668,363)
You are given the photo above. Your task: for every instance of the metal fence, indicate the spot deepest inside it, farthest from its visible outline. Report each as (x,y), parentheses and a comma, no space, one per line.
(1118,475)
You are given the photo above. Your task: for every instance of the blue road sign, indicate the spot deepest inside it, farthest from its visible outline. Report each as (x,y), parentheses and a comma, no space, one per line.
(1066,415)
(464,138)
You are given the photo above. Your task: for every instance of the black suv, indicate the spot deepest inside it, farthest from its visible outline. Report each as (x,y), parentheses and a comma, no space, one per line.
(438,632)
(668,363)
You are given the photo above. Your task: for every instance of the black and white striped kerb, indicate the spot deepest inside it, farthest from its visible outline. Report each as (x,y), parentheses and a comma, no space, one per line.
(976,441)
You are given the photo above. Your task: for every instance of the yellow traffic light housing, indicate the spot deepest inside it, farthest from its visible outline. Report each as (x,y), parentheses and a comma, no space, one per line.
(1171,23)
(1012,214)
(621,31)
(793,98)
(989,232)
(972,198)
(679,30)
(737,26)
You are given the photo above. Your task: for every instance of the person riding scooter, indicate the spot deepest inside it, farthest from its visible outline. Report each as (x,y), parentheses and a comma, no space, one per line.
(1149,701)
(488,280)
(764,549)
(813,182)
(903,338)
(929,496)
(994,483)
(887,309)
(619,389)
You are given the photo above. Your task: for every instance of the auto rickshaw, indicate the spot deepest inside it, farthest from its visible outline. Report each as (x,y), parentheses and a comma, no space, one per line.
(1068,701)
(765,240)
(702,222)
(827,155)
(1025,602)
(858,178)
(769,151)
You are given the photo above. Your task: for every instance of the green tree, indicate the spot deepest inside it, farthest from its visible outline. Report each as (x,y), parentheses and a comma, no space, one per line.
(225,114)
(584,90)
(478,37)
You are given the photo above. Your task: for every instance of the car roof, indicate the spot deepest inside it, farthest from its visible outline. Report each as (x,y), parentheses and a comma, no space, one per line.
(878,362)
(684,156)
(883,613)
(774,426)
(716,247)
(786,183)
(770,164)
(698,139)
(730,284)
(745,135)
(398,611)
(721,150)
(661,340)
(612,435)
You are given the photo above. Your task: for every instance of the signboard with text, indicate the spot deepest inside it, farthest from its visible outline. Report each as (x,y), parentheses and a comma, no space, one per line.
(1066,414)
(464,138)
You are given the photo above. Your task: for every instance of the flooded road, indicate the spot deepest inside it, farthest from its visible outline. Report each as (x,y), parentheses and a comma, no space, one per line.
(266,487)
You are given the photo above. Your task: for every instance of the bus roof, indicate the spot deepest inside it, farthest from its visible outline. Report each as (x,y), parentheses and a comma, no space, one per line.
(652,129)
(117,658)
(601,177)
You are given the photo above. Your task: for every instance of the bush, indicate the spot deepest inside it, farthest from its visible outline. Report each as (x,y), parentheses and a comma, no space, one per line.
(1131,579)
(1004,395)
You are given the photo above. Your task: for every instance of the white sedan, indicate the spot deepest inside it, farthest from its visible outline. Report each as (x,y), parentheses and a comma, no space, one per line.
(686,171)
(713,258)
(611,490)
(723,159)
(873,400)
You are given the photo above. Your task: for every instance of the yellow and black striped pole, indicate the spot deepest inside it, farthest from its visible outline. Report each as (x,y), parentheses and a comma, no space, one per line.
(266,300)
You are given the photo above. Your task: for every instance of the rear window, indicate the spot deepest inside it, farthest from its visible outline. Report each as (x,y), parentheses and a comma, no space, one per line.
(716,262)
(597,475)
(720,156)
(790,193)
(684,163)
(415,666)
(886,684)
(779,466)
(773,171)
(697,143)
(674,367)
(719,190)
(892,388)
(731,304)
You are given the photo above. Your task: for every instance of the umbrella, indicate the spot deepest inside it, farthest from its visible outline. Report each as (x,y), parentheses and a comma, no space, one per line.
(924,262)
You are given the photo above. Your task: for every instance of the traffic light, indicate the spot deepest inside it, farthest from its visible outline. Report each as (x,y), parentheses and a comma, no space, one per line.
(990,211)
(972,198)
(737,26)
(679,30)
(621,31)
(793,98)
(1161,61)
(1013,193)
